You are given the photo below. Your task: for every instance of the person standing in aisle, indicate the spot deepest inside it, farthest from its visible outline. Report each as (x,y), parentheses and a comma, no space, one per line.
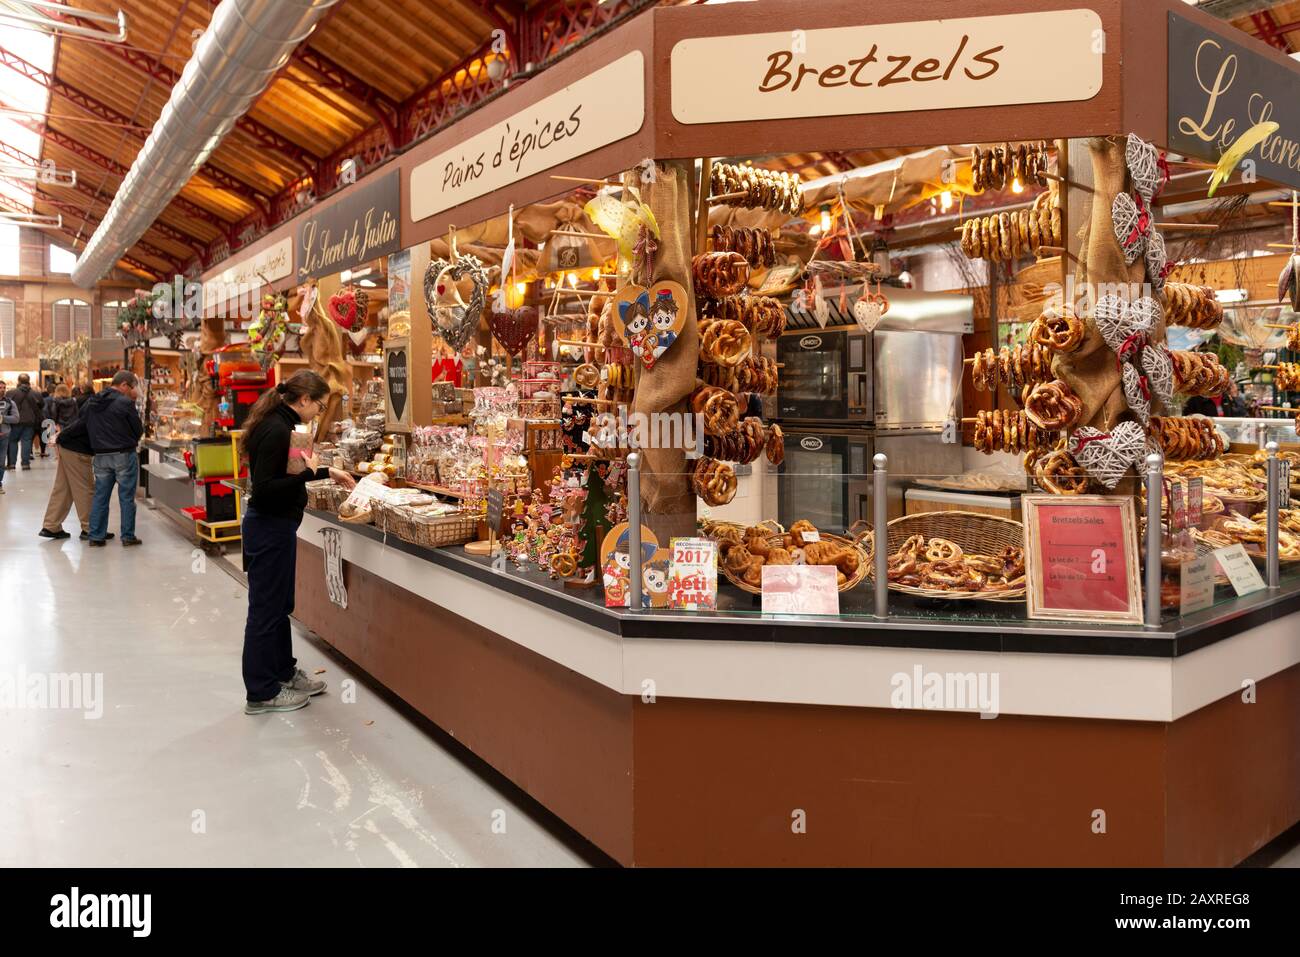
(42,420)
(277,496)
(74,483)
(29,414)
(8,419)
(114,428)
(62,407)
(82,394)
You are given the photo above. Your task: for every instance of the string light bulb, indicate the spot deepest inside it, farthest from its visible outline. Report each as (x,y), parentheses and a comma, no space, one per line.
(1017,186)
(945,200)
(826,220)
(572,279)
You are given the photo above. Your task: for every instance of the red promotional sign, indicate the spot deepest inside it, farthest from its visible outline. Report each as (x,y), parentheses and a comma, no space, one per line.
(1081,558)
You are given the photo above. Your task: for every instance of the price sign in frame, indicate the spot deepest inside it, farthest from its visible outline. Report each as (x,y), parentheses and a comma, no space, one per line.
(1036,608)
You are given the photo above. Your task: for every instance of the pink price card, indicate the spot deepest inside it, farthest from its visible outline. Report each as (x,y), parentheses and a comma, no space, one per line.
(800,590)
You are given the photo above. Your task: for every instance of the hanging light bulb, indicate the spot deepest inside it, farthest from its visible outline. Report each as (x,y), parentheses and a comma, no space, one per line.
(521,287)
(826,220)
(572,279)
(945,200)
(1016,186)
(595,274)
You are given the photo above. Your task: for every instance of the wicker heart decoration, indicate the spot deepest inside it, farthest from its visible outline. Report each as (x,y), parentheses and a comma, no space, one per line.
(343,308)
(1106,456)
(1157,258)
(454,319)
(1143,162)
(1121,322)
(1132,223)
(514,328)
(1136,392)
(1159,369)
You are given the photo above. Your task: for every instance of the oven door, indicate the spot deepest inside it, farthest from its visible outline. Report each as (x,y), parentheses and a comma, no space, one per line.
(824,477)
(814,376)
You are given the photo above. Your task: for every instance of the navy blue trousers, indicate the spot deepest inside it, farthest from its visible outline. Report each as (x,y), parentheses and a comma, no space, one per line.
(270,561)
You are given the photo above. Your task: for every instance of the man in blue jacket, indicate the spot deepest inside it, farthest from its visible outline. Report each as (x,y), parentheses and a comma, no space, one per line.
(114,427)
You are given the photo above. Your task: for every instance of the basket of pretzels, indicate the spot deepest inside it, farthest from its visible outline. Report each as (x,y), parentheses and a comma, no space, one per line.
(960,556)
(742,552)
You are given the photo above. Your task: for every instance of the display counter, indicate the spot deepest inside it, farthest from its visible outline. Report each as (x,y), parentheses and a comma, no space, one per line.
(744,739)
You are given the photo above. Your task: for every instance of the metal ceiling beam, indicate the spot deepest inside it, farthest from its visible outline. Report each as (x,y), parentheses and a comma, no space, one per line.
(165,75)
(163,229)
(75,146)
(91,221)
(101,110)
(1267,27)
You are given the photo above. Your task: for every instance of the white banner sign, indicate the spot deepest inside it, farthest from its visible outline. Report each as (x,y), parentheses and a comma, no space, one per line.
(1046,57)
(601,108)
(274,262)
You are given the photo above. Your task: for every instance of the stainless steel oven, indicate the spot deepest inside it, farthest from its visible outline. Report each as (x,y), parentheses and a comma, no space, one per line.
(825,477)
(825,376)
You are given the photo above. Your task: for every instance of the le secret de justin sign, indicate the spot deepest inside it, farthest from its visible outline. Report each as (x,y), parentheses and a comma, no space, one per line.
(359,227)
(1046,57)
(1219,89)
(601,108)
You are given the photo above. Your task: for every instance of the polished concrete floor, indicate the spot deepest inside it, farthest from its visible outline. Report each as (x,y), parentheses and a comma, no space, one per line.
(172,772)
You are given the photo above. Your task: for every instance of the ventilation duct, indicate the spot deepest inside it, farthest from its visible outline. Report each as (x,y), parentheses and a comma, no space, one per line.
(245,45)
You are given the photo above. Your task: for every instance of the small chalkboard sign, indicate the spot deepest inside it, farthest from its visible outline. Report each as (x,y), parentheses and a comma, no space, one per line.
(496,505)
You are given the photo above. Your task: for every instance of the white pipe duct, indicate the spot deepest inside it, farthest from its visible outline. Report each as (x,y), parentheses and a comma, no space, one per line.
(245,45)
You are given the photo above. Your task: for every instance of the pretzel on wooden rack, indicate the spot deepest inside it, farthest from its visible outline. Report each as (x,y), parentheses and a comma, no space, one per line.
(760,188)
(754,243)
(742,445)
(1058,333)
(1007,431)
(775,447)
(1199,373)
(714,481)
(1287,376)
(718,407)
(1195,307)
(1053,406)
(1293,337)
(1014,368)
(719,274)
(724,377)
(1186,438)
(756,374)
(761,315)
(1003,237)
(723,342)
(999,166)
(1059,473)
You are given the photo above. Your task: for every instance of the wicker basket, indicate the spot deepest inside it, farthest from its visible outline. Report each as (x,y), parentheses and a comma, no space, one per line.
(431,531)
(975,533)
(861,543)
(325,495)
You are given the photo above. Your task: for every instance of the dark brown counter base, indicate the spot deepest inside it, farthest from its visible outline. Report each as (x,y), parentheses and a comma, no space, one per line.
(701,782)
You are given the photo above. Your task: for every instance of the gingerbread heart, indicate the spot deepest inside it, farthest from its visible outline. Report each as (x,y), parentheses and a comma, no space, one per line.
(1106,456)
(514,328)
(651,319)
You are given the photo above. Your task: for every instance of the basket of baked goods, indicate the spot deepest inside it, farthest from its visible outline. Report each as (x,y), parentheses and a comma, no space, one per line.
(432,524)
(1252,533)
(955,555)
(325,495)
(743,551)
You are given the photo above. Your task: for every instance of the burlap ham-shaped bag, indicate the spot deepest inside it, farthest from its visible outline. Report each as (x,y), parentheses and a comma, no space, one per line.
(1092,370)
(667,499)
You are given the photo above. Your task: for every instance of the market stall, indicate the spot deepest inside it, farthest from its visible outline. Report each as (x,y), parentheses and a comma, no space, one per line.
(711,590)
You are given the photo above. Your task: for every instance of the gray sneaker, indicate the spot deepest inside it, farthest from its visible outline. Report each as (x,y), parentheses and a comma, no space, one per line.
(300,682)
(287,700)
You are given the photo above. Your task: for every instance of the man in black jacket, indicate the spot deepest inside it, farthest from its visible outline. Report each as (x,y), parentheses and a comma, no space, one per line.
(114,428)
(29,420)
(74,482)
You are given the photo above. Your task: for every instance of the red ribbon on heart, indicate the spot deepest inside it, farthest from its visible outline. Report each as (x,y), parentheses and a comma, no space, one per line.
(1082,441)
(343,308)
(1163,162)
(1143,226)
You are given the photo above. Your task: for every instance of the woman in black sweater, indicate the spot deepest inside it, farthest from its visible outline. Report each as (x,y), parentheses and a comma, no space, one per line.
(277,497)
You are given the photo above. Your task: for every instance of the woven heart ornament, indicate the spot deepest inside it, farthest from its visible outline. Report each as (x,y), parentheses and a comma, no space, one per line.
(1158,367)
(1132,223)
(454,319)
(1157,258)
(1106,456)
(1143,162)
(1136,392)
(1121,321)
